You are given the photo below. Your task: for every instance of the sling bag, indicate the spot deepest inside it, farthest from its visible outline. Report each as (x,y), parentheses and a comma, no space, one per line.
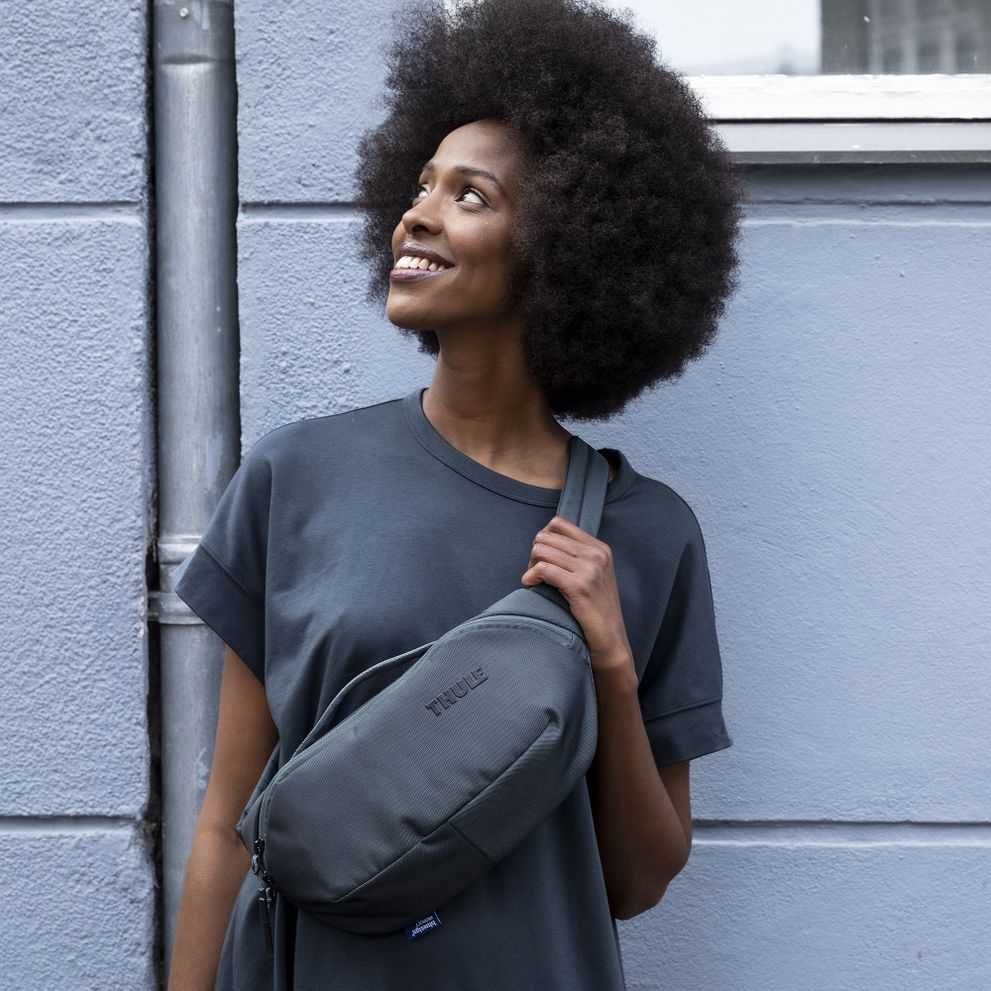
(429,767)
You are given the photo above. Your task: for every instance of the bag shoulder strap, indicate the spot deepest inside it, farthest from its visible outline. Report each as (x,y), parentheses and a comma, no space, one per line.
(584,494)
(582,498)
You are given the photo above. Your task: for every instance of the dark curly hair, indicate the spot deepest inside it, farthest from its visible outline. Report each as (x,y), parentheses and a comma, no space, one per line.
(629,206)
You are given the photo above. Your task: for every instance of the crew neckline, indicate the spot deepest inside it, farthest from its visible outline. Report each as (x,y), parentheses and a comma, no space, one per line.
(425,432)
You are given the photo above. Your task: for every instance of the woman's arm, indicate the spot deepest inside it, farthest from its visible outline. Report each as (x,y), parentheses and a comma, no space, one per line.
(642,812)
(218,860)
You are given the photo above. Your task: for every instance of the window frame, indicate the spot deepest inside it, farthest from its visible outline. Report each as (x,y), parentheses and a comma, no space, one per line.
(863,118)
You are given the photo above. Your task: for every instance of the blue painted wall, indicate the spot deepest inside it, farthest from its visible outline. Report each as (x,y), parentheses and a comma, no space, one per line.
(77,891)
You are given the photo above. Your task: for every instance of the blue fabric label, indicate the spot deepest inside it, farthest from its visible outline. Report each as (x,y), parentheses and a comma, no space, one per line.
(432,921)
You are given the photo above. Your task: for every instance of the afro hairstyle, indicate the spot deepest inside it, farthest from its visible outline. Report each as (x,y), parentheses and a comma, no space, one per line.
(625,223)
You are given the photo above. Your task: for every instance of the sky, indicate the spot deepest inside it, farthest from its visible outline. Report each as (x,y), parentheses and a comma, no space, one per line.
(728,36)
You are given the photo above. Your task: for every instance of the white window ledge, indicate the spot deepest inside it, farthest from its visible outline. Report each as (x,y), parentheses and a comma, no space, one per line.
(857,118)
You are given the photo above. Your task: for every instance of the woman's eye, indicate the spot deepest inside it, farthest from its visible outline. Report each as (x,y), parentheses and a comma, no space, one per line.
(467,189)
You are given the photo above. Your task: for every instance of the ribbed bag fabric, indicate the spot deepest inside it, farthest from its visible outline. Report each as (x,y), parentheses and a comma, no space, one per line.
(429,767)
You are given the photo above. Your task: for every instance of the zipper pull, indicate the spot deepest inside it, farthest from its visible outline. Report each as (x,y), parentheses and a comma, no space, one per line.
(256,859)
(266,893)
(265,900)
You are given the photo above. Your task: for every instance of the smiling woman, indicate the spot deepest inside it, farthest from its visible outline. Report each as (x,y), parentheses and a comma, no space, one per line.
(606,222)
(462,218)
(555,225)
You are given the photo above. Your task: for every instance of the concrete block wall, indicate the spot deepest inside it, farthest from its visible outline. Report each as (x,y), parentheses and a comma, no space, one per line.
(77,887)
(834,446)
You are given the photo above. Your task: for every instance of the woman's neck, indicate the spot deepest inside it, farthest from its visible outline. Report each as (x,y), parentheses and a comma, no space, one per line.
(503,423)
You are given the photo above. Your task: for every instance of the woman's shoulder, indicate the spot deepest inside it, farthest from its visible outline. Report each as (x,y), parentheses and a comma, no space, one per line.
(345,431)
(651,498)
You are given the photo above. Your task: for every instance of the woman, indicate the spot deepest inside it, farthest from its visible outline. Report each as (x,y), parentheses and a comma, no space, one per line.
(571,220)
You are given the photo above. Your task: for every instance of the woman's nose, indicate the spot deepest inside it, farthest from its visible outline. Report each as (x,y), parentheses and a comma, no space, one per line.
(419,217)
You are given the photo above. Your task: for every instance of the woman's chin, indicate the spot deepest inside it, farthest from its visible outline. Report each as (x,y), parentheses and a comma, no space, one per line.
(407,317)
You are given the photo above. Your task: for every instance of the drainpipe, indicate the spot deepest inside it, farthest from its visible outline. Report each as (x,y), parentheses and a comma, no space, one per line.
(195,189)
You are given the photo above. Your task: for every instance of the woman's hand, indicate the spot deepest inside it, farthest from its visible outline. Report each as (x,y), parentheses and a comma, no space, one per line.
(580,567)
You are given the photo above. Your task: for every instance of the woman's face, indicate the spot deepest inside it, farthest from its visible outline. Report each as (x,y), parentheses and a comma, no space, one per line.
(463,211)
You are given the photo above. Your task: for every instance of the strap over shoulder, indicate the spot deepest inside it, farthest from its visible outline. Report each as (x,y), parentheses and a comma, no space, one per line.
(584,493)
(582,498)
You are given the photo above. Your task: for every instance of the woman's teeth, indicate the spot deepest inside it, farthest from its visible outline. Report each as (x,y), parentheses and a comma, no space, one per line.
(410,261)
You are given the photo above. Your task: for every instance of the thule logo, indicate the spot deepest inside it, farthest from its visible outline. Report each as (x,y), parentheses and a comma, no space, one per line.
(457,691)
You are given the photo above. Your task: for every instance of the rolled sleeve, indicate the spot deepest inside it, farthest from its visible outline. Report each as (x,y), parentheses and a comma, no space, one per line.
(687,733)
(223,580)
(221,601)
(681,689)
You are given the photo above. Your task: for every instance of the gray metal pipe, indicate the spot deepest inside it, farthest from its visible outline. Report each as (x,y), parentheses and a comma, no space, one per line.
(195,141)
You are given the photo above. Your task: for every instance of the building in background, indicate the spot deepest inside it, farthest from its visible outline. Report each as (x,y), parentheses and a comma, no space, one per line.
(809,37)
(906,36)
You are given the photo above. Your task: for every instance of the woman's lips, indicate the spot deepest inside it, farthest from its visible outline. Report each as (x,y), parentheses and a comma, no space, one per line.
(414,274)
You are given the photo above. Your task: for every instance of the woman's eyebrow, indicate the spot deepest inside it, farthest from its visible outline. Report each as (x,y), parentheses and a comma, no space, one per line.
(469,170)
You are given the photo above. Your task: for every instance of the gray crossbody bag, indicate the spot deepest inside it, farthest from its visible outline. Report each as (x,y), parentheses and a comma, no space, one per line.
(429,767)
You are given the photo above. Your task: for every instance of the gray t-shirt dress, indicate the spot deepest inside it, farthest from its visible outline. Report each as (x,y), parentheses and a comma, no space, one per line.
(349,538)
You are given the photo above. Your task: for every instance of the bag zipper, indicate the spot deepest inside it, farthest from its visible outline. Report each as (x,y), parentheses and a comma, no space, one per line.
(266,892)
(266,886)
